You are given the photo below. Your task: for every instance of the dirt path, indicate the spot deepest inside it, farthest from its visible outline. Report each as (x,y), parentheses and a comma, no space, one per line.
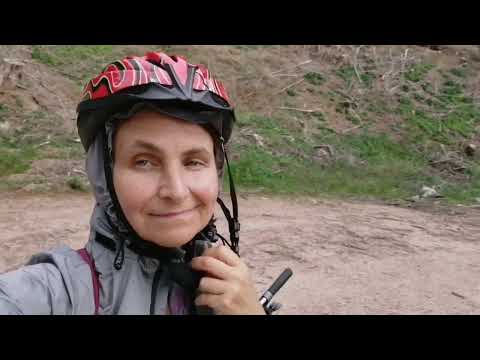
(347,257)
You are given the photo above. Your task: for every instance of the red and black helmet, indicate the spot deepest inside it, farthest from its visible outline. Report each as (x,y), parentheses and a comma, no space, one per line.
(180,89)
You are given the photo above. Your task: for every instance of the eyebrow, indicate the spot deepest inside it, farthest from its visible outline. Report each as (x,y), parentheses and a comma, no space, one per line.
(153,148)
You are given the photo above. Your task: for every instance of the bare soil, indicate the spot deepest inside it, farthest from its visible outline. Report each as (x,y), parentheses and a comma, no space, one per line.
(347,257)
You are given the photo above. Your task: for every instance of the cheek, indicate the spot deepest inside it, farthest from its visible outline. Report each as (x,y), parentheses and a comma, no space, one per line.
(132,189)
(205,188)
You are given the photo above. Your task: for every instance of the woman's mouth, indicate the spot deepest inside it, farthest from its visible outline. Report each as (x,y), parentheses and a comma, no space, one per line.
(174,214)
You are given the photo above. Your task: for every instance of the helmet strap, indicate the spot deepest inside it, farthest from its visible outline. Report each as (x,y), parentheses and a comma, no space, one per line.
(233,223)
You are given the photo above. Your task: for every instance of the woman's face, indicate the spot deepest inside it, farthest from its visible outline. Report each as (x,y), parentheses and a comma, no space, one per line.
(165,177)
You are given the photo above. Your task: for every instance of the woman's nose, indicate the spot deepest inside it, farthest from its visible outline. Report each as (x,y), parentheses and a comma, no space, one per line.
(173,185)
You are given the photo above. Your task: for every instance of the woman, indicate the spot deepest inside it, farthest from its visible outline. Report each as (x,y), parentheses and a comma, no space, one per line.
(154,128)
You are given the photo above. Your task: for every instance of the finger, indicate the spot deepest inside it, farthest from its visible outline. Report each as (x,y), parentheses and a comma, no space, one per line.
(219,303)
(212,286)
(209,300)
(213,267)
(223,253)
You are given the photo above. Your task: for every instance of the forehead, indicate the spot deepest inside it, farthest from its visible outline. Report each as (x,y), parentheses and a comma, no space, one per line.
(161,130)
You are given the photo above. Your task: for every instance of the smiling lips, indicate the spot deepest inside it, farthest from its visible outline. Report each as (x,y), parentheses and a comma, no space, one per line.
(174,214)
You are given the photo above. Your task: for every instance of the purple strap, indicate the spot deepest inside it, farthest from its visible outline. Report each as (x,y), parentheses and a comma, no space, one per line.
(96,283)
(178,303)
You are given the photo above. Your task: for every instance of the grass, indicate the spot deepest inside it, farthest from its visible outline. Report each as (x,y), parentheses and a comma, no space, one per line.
(275,132)
(378,107)
(63,147)
(457,115)
(38,135)
(314,78)
(388,170)
(81,62)
(348,75)
(385,168)
(15,160)
(417,72)
(459,72)
(76,183)
(58,55)
(366,164)
(258,169)
(467,192)
(3,109)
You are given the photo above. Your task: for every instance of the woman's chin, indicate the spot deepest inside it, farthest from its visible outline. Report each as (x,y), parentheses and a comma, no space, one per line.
(173,241)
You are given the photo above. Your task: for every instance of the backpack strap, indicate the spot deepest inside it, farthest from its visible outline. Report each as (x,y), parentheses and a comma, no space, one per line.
(95,280)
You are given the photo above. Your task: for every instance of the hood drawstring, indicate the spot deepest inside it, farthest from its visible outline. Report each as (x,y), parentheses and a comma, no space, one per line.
(108,171)
(119,253)
(156,280)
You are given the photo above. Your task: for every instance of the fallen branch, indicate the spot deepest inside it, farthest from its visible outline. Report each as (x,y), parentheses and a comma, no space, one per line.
(404,60)
(355,114)
(458,295)
(351,129)
(301,110)
(345,95)
(391,90)
(289,86)
(250,94)
(290,68)
(42,144)
(288,75)
(355,63)
(78,171)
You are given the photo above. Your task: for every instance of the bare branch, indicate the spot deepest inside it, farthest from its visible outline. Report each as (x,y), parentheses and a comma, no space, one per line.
(301,110)
(292,67)
(351,129)
(289,86)
(355,63)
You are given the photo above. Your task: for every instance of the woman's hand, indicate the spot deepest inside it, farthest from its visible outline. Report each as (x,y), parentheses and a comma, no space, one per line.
(227,287)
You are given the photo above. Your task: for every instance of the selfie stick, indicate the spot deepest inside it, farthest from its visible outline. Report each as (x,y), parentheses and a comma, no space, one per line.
(267,296)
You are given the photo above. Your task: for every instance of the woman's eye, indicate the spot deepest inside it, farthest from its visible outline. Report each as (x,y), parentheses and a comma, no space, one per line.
(195,163)
(142,163)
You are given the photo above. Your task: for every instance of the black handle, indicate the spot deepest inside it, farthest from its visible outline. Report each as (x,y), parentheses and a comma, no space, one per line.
(281,280)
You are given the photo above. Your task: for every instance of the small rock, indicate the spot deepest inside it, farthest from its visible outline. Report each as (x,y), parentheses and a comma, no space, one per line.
(30,187)
(14,62)
(326,149)
(258,140)
(322,154)
(428,192)
(414,198)
(470,149)
(4,126)
(477,200)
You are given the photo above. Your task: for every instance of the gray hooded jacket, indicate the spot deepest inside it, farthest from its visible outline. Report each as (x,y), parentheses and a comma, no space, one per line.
(60,281)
